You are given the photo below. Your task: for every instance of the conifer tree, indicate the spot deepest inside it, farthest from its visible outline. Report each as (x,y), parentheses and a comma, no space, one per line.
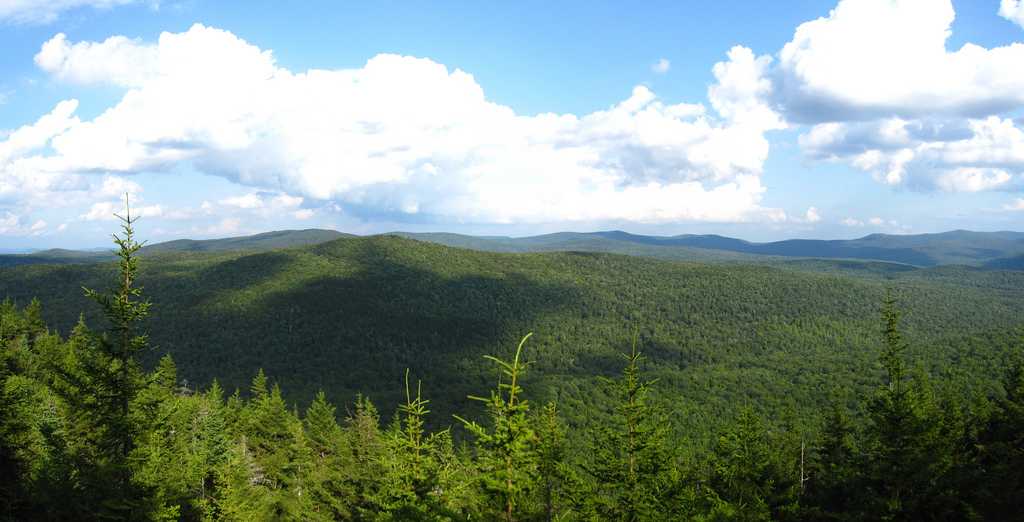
(330,499)
(209,444)
(833,475)
(277,445)
(556,477)
(630,462)
(362,458)
(996,469)
(900,446)
(411,462)
(743,477)
(99,382)
(506,447)
(14,421)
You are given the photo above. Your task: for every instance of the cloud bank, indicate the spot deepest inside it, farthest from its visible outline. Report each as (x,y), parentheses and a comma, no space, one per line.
(872,85)
(881,92)
(401,135)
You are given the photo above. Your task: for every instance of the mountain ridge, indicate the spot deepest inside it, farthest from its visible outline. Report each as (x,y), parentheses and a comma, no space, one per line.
(990,250)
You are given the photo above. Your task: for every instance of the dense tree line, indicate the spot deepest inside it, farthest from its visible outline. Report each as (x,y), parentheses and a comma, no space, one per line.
(87,433)
(338,316)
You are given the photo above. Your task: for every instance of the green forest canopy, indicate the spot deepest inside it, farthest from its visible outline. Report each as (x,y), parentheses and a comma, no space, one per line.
(86,433)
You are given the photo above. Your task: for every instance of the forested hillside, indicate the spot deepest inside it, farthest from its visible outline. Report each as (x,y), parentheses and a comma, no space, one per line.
(995,250)
(253,243)
(797,408)
(961,247)
(350,316)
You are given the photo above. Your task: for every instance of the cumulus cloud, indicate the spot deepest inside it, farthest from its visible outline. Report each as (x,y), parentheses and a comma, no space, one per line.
(117,60)
(108,211)
(885,95)
(46,11)
(1012,10)
(12,224)
(247,201)
(949,155)
(661,66)
(852,222)
(881,58)
(26,179)
(812,215)
(265,204)
(407,136)
(741,94)
(1015,206)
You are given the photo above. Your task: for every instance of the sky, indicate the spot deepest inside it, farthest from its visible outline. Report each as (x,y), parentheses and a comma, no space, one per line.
(757,120)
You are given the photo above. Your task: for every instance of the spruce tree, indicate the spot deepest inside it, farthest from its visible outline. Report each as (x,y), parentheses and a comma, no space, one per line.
(209,442)
(362,458)
(98,382)
(996,468)
(743,477)
(15,424)
(833,474)
(557,479)
(330,498)
(506,447)
(411,464)
(277,445)
(630,462)
(901,450)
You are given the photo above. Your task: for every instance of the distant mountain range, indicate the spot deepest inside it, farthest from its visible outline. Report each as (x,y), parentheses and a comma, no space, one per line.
(995,250)
(959,247)
(256,243)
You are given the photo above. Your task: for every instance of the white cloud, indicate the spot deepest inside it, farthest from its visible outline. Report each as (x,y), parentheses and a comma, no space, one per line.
(417,137)
(1016,205)
(31,137)
(890,226)
(26,179)
(303,214)
(224,227)
(106,210)
(12,224)
(971,179)
(886,96)
(743,89)
(661,66)
(812,215)
(950,155)
(1012,10)
(46,11)
(117,60)
(880,58)
(263,203)
(248,201)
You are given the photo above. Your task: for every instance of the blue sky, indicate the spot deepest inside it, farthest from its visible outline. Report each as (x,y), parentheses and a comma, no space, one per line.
(815,119)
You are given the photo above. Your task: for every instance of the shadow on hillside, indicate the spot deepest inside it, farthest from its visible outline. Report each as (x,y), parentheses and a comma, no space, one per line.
(354,330)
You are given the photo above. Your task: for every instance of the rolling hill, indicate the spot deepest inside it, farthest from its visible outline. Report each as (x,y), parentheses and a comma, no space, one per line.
(997,250)
(925,250)
(350,315)
(254,243)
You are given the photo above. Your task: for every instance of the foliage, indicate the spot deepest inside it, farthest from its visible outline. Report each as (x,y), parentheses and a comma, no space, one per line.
(87,433)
